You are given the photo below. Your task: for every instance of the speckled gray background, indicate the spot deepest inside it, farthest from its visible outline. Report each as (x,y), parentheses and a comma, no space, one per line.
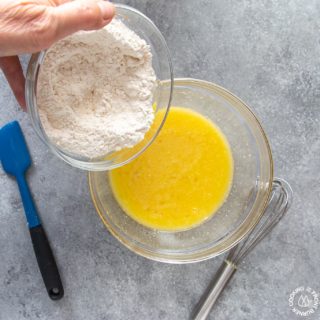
(268,53)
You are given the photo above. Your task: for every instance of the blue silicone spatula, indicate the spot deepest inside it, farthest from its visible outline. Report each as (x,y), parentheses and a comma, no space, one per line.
(16,160)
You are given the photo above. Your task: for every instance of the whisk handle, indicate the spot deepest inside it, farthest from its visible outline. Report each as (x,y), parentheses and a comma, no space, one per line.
(223,275)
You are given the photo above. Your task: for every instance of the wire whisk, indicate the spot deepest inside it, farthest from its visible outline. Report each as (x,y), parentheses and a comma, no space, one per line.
(279,203)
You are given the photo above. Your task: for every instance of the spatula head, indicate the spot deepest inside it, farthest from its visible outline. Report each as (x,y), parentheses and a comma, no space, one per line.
(14,152)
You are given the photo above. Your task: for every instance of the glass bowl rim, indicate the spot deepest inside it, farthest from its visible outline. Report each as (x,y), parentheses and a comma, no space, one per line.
(208,253)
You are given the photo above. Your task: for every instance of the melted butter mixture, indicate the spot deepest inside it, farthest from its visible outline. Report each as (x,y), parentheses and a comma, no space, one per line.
(182,179)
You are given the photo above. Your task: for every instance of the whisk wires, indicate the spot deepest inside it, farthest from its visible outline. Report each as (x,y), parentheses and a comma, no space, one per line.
(279,204)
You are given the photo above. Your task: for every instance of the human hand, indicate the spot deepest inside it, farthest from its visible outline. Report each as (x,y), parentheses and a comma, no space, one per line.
(28,26)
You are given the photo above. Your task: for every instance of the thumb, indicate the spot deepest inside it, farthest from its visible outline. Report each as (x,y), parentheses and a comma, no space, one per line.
(79,15)
(12,70)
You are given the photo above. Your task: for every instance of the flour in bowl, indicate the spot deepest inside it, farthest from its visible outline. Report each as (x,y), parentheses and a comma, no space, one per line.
(95,91)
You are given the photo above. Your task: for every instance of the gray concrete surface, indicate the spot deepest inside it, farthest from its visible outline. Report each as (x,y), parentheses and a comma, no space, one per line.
(268,53)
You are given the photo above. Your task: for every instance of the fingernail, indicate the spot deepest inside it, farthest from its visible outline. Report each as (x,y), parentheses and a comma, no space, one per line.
(107,9)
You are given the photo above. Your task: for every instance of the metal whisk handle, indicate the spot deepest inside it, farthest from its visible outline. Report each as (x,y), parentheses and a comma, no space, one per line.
(224,274)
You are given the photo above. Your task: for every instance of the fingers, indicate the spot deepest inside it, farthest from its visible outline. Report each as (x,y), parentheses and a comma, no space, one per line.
(12,70)
(78,15)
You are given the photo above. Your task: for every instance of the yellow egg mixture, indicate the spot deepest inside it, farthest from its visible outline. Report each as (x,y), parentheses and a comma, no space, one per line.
(181,179)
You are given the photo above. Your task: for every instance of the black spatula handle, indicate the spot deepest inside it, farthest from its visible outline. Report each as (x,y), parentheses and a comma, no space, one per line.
(46,262)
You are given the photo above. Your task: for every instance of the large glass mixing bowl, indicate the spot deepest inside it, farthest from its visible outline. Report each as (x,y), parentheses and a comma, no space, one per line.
(162,66)
(248,198)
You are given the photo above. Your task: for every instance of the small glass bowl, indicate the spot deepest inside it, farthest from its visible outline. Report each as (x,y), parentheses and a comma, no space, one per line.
(249,194)
(162,65)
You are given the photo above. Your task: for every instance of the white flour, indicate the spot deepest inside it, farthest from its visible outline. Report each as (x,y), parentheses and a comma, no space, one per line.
(95,91)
